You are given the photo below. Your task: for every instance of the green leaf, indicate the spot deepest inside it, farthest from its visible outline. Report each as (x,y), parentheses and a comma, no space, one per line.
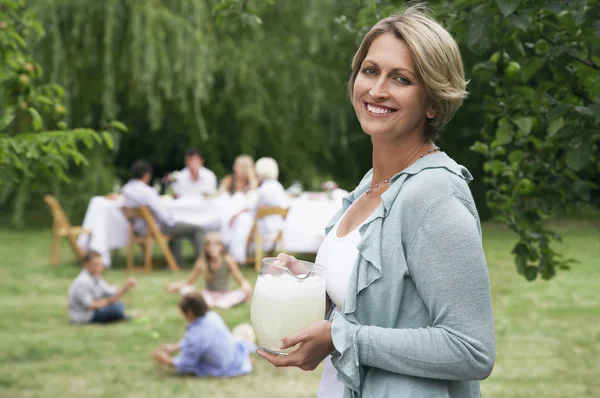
(541,47)
(6,119)
(524,123)
(586,111)
(36,119)
(108,139)
(480,147)
(532,67)
(521,262)
(520,22)
(17,38)
(119,126)
(567,21)
(557,111)
(43,99)
(479,32)
(504,135)
(495,167)
(520,250)
(516,157)
(555,126)
(579,154)
(530,273)
(507,7)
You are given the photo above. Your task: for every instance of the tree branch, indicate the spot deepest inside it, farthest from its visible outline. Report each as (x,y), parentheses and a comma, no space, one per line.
(244,4)
(587,62)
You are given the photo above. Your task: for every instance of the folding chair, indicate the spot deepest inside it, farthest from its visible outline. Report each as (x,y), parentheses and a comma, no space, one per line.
(257,239)
(61,227)
(153,234)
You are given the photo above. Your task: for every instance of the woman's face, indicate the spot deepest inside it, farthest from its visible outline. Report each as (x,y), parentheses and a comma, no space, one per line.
(239,168)
(213,248)
(388,98)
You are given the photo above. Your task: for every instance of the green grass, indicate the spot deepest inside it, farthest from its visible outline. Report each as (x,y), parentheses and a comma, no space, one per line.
(548,333)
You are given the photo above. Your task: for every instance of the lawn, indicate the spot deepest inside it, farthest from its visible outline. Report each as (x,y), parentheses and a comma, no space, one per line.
(548,333)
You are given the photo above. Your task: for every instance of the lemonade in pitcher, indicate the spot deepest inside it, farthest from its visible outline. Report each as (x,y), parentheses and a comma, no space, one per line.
(285,303)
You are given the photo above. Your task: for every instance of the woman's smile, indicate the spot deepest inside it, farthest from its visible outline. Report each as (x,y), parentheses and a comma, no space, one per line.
(378,110)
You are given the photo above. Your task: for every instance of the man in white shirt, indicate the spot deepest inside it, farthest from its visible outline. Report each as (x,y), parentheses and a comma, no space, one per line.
(195,179)
(137,193)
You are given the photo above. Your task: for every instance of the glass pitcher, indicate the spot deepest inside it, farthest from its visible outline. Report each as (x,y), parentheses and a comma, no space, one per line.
(287,298)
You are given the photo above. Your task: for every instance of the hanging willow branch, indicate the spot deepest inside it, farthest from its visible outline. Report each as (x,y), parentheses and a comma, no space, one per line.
(148,51)
(265,80)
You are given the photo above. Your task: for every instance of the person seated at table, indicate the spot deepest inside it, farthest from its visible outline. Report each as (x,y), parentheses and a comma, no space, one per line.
(243,178)
(216,265)
(137,193)
(208,348)
(92,299)
(194,179)
(271,193)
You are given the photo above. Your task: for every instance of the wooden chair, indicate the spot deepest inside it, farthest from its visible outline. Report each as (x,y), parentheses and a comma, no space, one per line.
(147,241)
(257,239)
(61,227)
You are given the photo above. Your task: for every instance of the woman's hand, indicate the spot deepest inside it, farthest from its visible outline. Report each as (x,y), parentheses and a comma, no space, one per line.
(291,263)
(315,344)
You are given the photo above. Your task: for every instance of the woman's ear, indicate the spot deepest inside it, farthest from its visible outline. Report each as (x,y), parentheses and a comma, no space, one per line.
(431,112)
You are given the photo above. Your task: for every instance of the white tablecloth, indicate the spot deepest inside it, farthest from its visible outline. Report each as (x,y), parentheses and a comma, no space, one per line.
(303,232)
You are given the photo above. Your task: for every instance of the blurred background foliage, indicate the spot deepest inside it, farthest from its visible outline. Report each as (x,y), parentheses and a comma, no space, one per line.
(269,78)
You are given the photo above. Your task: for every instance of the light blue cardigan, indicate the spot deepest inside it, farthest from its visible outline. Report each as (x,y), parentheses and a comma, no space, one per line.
(417,318)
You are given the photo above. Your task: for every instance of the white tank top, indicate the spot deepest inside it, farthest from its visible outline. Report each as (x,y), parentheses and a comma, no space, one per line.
(338,256)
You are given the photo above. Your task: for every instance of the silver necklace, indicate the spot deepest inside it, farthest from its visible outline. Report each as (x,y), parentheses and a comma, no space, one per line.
(387,180)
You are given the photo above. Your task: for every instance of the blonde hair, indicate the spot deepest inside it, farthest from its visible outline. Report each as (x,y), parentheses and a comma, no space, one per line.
(211,236)
(436,56)
(246,161)
(248,165)
(267,169)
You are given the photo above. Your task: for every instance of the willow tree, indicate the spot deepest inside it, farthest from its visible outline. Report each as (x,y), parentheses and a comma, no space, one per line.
(228,76)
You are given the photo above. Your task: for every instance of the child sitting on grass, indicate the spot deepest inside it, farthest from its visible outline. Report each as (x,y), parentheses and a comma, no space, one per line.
(216,265)
(208,348)
(92,299)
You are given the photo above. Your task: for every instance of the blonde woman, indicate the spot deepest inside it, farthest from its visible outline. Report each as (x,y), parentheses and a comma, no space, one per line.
(243,178)
(236,229)
(216,265)
(406,272)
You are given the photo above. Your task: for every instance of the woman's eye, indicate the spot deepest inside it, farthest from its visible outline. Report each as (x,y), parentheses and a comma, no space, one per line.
(403,80)
(369,71)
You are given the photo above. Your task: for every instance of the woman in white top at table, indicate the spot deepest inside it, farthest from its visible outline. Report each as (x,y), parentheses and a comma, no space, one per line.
(236,230)
(242,180)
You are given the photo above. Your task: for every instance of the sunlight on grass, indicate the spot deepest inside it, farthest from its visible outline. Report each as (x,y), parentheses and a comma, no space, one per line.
(548,333)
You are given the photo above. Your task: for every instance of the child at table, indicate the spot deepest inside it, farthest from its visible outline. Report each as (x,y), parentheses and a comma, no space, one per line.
(216,265)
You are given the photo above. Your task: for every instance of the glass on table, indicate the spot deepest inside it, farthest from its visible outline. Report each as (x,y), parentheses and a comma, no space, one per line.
(288,297)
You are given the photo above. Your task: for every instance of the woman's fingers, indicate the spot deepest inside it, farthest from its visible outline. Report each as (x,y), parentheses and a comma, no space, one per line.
(277,360)
(292,263)
(293,339)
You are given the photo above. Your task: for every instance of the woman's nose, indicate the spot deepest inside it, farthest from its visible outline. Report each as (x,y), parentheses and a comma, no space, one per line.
(379,89)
